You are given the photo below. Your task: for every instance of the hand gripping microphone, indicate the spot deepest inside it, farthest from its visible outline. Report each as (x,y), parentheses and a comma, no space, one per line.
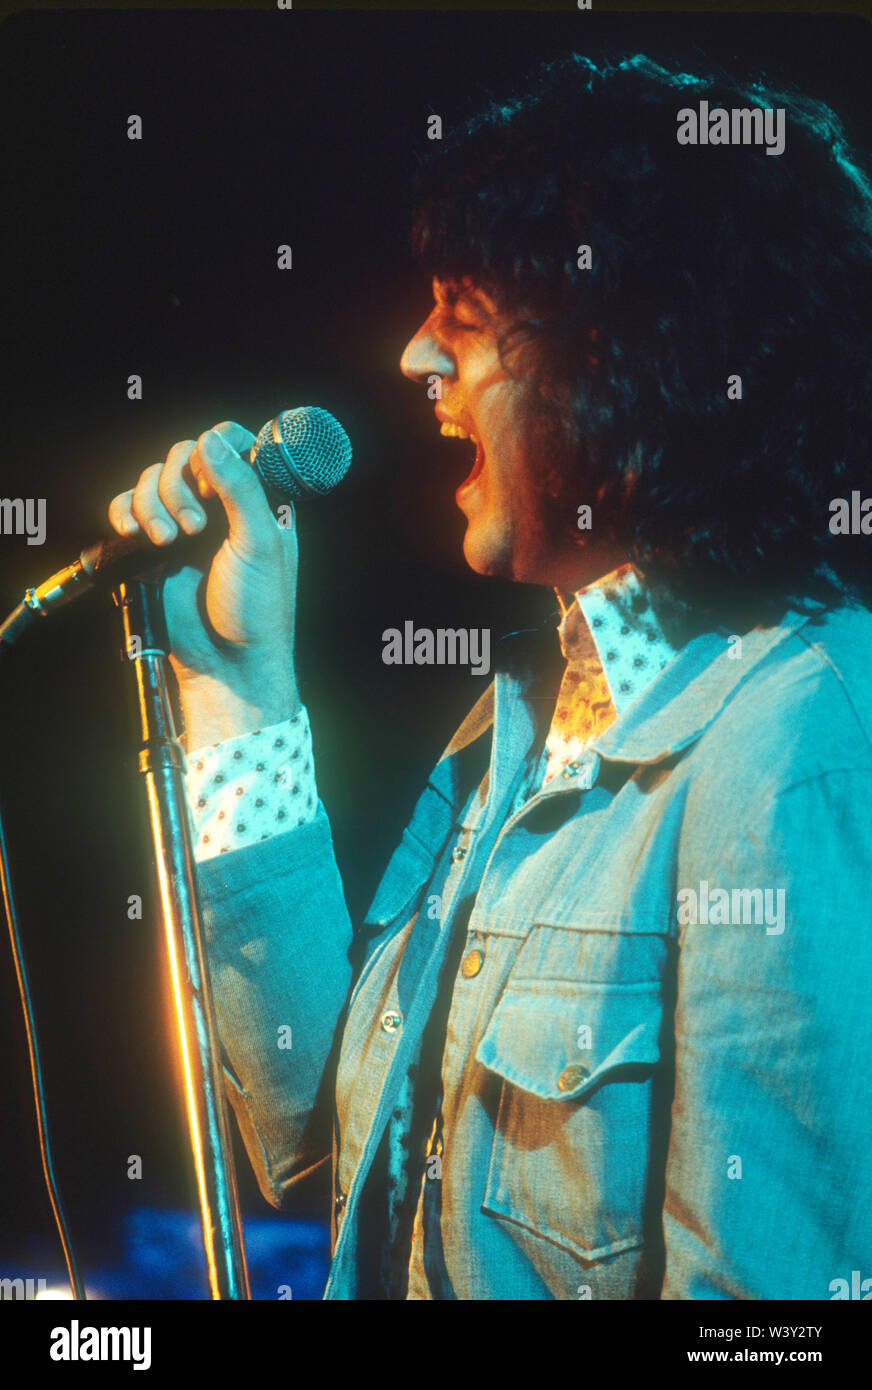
(302,453)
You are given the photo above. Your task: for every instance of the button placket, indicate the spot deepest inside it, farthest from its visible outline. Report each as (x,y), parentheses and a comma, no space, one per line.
(459,858)
(582,770)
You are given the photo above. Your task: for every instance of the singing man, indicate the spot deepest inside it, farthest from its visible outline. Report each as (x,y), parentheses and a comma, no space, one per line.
(603,1031)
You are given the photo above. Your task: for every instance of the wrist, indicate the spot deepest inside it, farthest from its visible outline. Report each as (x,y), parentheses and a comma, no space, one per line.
(215,708)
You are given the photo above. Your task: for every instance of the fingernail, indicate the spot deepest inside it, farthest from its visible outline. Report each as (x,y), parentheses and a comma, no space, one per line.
(161,531)
(190,518)
(218,449)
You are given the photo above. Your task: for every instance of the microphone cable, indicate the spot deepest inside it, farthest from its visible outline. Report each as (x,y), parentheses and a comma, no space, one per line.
(23,979)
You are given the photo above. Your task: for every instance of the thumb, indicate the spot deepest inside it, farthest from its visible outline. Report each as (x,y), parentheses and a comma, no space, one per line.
(253,527)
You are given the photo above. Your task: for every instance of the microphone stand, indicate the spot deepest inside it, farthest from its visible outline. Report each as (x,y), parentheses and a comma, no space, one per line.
(161,762)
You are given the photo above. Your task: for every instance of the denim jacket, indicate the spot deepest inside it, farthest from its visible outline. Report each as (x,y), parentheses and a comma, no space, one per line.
(638,1101)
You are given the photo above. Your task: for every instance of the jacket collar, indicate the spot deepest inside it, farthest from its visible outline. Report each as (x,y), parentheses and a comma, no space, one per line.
(621,623)
(671,713)
(678,706)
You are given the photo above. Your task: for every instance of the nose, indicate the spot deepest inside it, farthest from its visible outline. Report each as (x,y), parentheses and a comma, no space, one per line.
(424,355)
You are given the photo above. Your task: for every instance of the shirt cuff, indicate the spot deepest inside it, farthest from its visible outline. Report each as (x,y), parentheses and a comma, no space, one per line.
(250,787)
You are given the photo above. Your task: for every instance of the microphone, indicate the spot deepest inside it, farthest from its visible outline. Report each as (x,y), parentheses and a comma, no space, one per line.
(302,453)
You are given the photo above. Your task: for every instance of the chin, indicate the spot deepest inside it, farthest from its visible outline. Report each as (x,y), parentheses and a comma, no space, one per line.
(493,556)
(479,563)
(484,554)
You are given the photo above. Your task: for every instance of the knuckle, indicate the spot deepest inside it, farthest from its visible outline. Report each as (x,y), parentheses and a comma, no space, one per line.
(145,482)
(145,494)
(168,486)
(119,507)
(180,453)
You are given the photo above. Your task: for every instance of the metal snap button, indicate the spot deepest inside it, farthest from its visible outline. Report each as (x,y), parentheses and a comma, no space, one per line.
(390,1022)
(457,854)
(571,1077)
(472,963)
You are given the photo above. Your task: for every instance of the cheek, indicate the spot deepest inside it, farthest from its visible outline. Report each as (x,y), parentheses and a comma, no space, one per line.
(503,429)
(511,476)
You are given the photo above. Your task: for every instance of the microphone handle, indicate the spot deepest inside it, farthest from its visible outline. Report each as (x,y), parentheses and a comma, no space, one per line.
(110,560)
(115,558)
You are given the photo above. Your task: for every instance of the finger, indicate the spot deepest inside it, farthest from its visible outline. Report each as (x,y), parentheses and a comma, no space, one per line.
(176,489)
(120,515)
(150,511)
(253,527)
(238,437)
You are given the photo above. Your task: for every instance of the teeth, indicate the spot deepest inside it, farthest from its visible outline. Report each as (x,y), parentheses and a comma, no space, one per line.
(455,432)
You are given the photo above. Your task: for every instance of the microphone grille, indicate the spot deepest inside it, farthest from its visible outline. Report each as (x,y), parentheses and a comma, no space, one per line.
(303,452)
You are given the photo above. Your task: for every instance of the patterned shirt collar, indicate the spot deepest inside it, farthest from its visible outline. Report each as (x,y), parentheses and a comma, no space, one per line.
(628,638)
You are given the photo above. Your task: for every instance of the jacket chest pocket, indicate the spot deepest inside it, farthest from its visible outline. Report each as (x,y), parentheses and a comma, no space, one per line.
(571,1150)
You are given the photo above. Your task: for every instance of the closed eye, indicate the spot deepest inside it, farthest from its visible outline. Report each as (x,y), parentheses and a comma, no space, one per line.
(460,325)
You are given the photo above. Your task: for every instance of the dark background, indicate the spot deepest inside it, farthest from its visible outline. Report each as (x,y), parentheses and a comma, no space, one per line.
(159,258)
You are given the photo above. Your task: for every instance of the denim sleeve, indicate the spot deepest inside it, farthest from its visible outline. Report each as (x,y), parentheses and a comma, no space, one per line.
(277,938)
(768,1188)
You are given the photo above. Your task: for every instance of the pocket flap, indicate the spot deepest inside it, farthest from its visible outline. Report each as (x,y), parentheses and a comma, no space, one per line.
(562,1040)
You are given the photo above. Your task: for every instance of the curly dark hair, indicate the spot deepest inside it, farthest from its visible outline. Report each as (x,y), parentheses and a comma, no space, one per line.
(707,261)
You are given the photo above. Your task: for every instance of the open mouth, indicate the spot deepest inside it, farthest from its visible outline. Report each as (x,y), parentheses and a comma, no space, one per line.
(450,430)
(476,467)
